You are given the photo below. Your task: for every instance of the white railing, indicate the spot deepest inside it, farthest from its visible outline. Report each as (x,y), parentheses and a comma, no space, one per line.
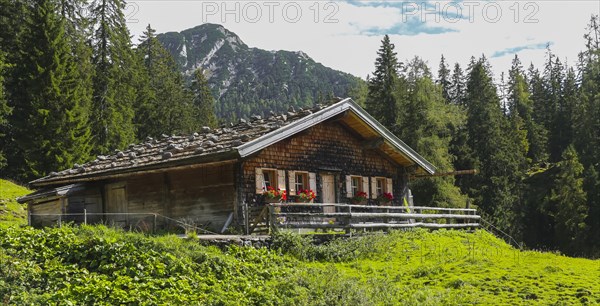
(347,217)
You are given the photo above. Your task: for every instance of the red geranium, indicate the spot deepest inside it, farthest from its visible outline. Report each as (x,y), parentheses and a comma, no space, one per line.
(273,193)
(306,195)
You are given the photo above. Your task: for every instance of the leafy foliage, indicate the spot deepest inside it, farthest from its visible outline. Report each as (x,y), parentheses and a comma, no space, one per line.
(97,265)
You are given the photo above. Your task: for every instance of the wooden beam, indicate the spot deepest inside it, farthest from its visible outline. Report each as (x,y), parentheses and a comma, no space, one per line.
(451,173)
(131,172)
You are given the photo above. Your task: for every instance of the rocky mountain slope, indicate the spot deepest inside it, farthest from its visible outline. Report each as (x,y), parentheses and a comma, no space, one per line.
(248,80)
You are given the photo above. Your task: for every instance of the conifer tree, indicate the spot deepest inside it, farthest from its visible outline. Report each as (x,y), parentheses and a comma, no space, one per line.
(204,102)
(444,79)
(457,86)
(587,121)
(49,123)
(495,189)
(5,111)
(115,75)
(169,107)
(591,186)
(571,203)
(381,102)
(427,123)
(532,138)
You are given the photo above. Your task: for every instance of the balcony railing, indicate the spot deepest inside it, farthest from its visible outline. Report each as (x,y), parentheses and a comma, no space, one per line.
(347,217)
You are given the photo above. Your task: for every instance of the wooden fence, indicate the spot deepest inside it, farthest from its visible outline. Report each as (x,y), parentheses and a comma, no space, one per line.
(347,217)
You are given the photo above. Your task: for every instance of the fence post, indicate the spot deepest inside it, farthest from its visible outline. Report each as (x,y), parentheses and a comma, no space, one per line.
(85,216)
(271,221)
(246,215)
(60,220)
(154,225)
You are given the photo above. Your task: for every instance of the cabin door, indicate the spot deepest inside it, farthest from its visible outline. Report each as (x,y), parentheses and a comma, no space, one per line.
(328,192)
(116,204)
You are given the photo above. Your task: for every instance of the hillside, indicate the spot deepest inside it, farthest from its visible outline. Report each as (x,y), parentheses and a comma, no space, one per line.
(96,265)
(248,81)
(12,212)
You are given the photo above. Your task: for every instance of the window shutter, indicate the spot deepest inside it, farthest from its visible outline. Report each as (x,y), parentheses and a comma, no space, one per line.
(259,180)
(365,185)
(348,186)
(312,182)
(281,179)
(390,186)
(373,188)
(292,180)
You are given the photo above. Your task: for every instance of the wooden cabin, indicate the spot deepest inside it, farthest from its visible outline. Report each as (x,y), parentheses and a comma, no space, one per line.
(214,176)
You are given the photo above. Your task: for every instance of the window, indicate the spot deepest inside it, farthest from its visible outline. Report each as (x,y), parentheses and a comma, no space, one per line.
(381,186)
(356,185)
(266,177)
(301,181)
(269,179)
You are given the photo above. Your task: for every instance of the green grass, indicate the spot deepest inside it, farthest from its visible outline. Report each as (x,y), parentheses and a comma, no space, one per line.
(97,265)
(11,212)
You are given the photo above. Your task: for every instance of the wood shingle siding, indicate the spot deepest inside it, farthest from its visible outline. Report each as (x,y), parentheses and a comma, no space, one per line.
(327,147)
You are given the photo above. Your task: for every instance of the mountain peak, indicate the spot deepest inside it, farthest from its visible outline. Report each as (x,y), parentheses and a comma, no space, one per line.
(250,80)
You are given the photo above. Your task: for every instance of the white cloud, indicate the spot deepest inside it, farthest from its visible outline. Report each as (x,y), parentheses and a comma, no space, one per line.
(339,44)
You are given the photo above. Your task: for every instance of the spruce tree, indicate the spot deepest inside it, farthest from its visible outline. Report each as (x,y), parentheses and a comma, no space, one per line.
(457,86)
(49,123)
(492,152)
(381,102)
(532,137)
(204,102)
(114,79)
(591,186)
(427,123)
(168,108)
(571,203)
(587,121)
(444,79)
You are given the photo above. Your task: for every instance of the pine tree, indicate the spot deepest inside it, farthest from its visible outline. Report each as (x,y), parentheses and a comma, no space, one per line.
(115,77)
(381,102)
(204,101)
(444,79)
(168,107)
(50,117)
(570,200)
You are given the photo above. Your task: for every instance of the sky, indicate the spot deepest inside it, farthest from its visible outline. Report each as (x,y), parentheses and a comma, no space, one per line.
(345,35)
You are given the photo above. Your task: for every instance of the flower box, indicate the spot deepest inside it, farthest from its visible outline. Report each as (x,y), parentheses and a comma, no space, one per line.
(359,199)
(385,199)
(272,195)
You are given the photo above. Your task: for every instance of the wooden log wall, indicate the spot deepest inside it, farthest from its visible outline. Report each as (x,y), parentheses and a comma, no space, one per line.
(203,195)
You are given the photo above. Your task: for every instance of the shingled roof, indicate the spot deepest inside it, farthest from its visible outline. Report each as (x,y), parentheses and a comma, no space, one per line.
(225,143)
